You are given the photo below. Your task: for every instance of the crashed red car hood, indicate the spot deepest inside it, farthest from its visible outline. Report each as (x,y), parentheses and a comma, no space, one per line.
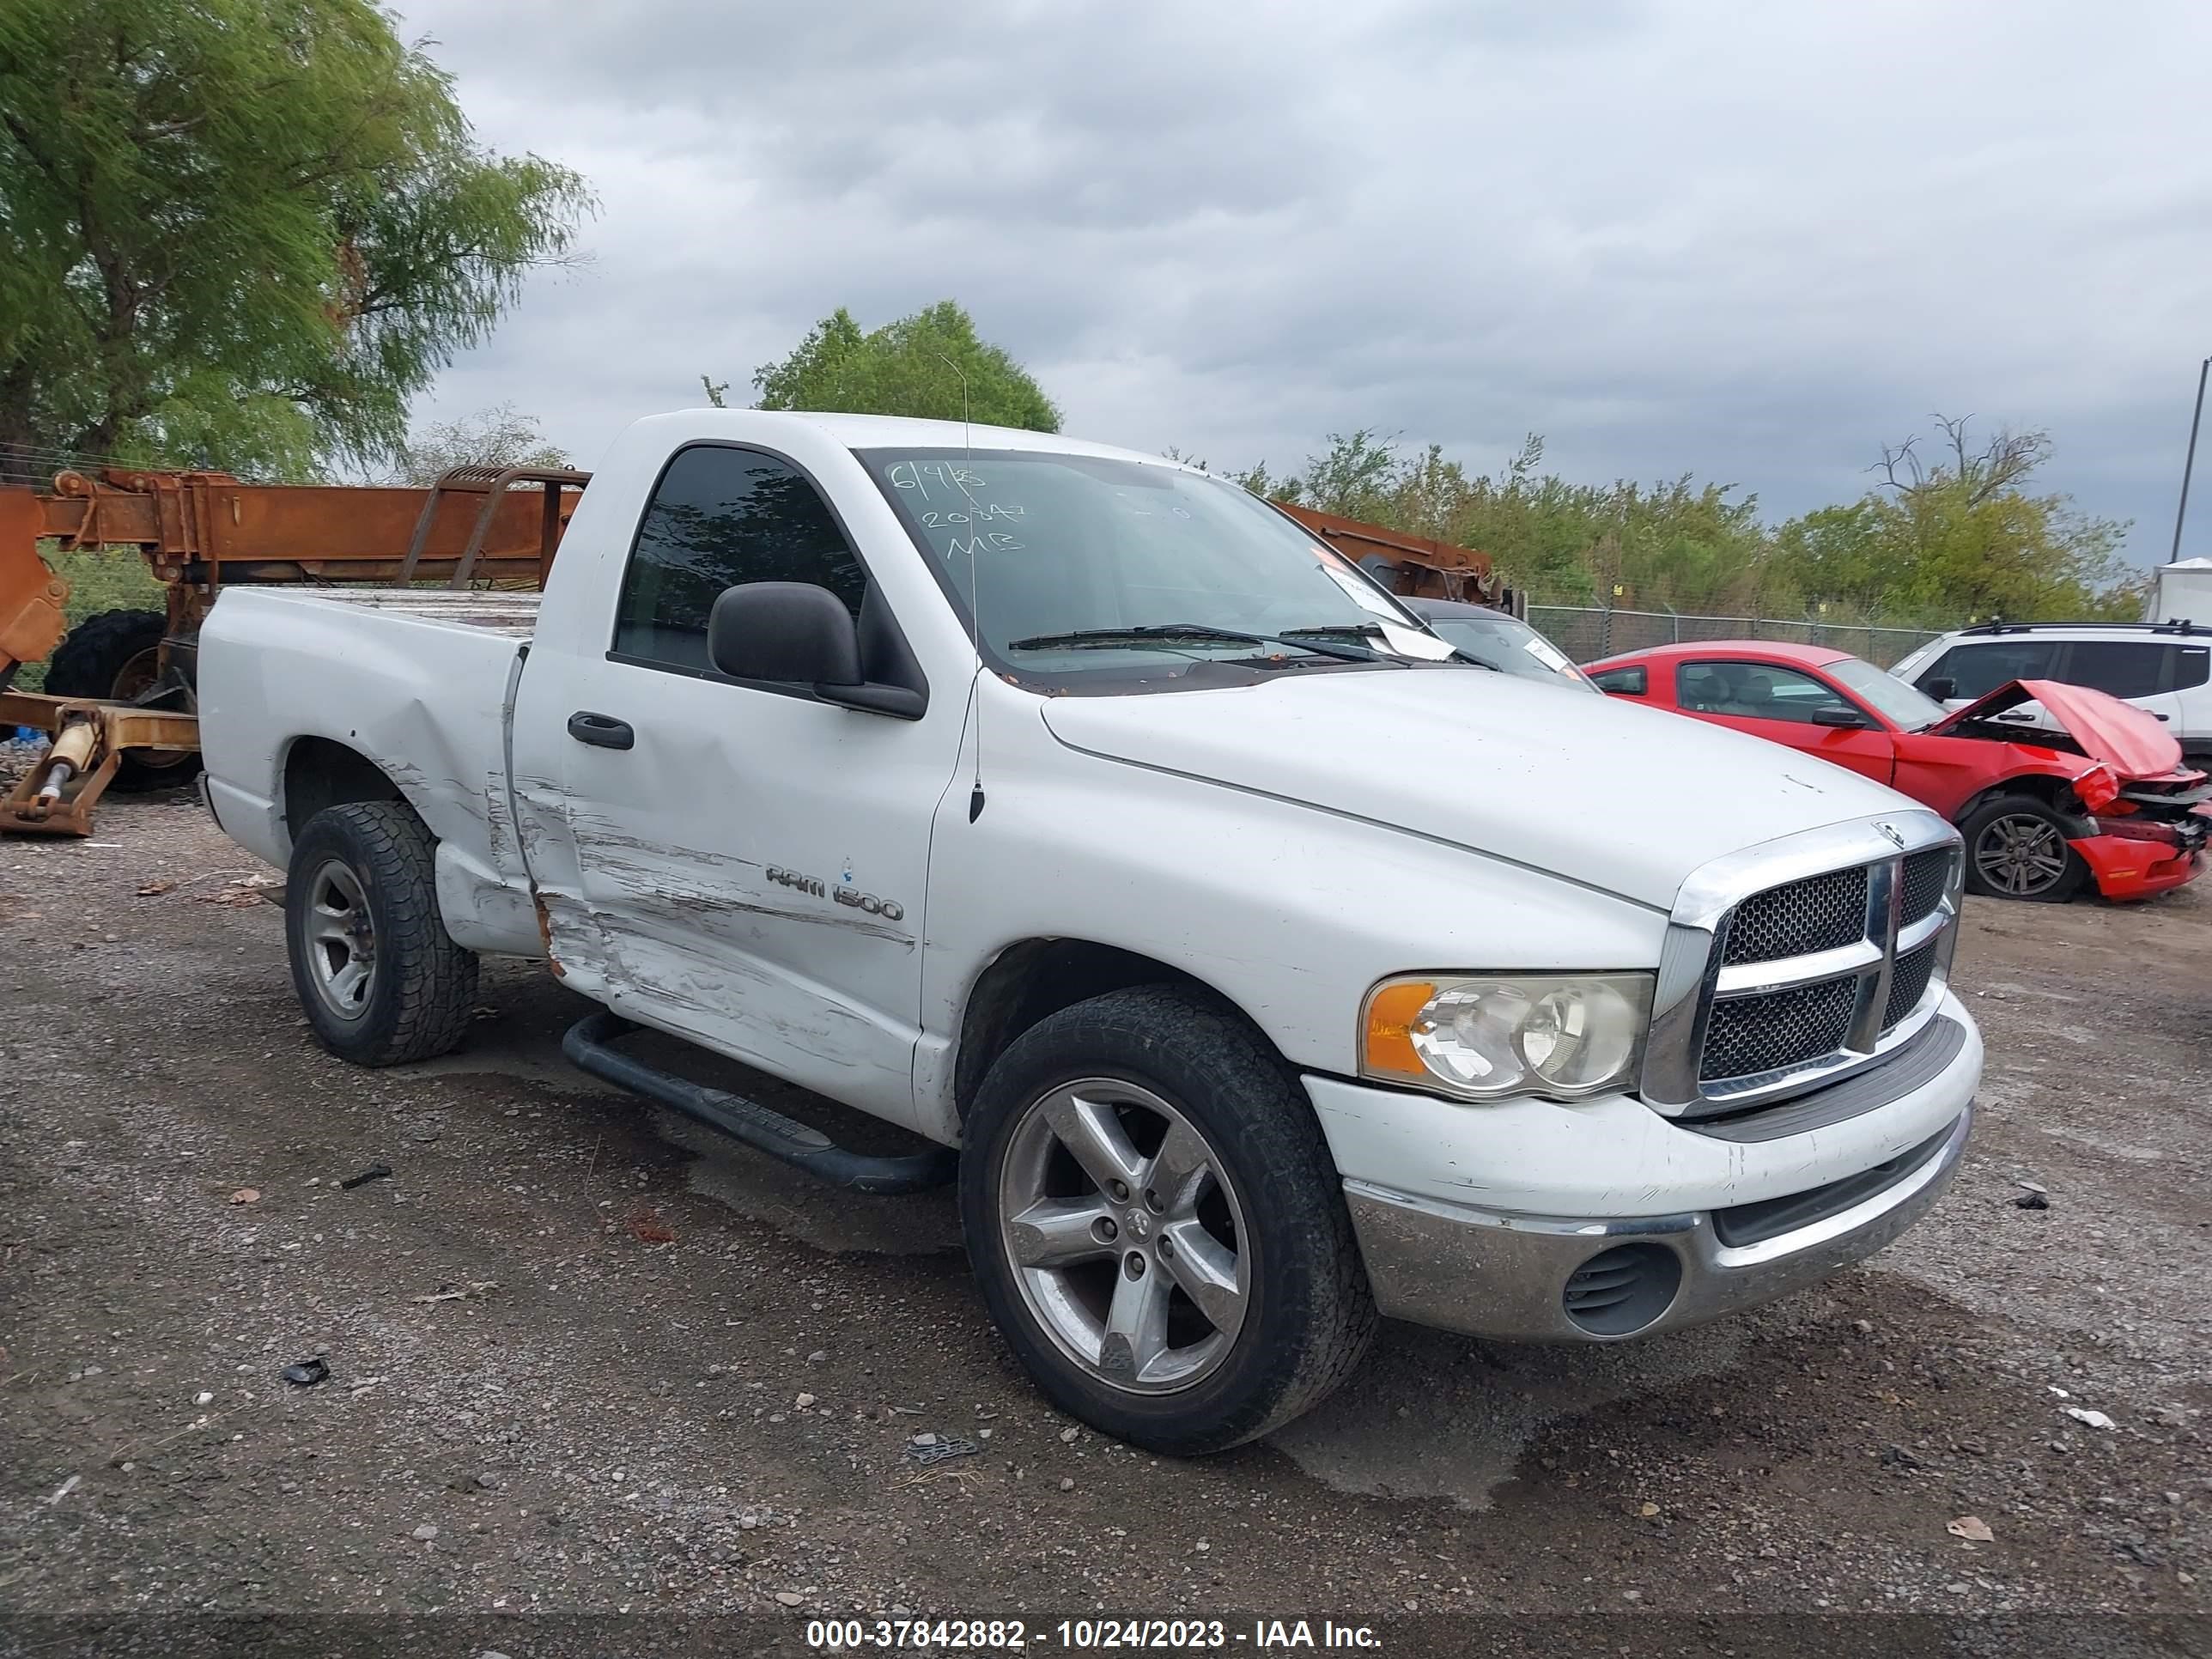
(2132,743)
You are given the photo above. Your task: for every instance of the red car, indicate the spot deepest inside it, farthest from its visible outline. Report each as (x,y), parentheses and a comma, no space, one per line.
(2089,788)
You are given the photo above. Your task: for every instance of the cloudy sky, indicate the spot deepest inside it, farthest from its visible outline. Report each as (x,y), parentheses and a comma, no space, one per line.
(1749,241)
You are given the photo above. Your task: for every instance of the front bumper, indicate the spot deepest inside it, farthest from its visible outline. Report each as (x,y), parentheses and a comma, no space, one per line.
(2134,866)
(1473,1218)
(1512,1277)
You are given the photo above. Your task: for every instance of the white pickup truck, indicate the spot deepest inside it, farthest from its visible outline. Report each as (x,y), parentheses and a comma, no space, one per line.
(1268,964)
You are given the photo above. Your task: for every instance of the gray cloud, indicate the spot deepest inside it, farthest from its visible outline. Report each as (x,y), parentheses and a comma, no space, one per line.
(1752,242)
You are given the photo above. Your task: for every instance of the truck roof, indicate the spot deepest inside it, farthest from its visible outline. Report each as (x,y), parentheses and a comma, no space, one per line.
(900,432)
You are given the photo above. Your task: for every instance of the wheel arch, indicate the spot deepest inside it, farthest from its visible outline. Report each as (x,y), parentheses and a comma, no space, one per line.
(2053,789)
(1033,978)
(321,772)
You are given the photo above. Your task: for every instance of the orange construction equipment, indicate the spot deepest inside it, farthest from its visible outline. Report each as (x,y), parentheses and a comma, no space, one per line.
(198,532)
(1414,566)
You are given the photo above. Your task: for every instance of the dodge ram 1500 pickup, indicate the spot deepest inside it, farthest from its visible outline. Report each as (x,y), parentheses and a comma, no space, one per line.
(1268,965)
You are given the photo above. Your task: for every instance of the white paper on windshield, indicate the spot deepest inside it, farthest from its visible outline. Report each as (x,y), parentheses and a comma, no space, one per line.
(1414,641)
(1548,654)
(1402,641)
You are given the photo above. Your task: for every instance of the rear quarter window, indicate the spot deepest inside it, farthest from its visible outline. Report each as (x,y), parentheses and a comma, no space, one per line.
(2124,668)
(1623,682)
(1975,670)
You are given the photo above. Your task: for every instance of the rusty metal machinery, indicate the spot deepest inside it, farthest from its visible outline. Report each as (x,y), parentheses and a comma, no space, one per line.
(57,795)
(202,532)
(1418,567)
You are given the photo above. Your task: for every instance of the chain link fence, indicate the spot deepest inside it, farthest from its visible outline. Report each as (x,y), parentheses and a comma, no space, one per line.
(1587,633)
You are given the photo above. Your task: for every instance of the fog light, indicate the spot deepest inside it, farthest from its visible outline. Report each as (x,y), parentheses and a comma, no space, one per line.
(1622,1290)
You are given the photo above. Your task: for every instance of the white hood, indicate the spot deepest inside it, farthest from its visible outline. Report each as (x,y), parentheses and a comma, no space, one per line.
(1623,799)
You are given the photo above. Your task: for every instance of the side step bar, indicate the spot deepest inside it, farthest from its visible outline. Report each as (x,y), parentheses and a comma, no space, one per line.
(588,1045)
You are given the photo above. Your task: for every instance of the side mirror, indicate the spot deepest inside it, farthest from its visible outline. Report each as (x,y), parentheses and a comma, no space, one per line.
(791,633)
(1848,720)
(799,634)
(1943,688)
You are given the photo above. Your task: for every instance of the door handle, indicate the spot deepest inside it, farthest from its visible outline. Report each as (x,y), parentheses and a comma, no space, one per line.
(601,731)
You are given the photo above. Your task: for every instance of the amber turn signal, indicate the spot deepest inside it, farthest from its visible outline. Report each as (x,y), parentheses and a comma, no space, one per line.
(1391,1013)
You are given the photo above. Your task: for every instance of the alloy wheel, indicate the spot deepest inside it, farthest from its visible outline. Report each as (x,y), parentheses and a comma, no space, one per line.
(1125,1234)
(341,940)
(2021,855)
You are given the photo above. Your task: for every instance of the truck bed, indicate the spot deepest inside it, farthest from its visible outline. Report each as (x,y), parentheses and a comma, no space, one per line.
(511,613)
(417,678)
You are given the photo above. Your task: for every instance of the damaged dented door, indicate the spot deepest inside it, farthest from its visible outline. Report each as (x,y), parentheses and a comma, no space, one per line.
(753,857)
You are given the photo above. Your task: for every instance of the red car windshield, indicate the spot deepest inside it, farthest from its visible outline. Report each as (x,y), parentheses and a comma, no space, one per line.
(1889,696)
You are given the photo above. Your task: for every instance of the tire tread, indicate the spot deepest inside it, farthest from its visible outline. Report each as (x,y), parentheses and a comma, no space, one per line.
(432,984)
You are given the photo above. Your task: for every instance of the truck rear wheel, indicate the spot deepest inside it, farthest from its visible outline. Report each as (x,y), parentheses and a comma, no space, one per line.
(1157,1225)
(116,657)
(378,976)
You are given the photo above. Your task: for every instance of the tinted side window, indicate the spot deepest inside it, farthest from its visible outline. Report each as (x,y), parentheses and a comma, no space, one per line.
(2126,668)
(1978,669)
(1756,691)
(721,517)
(2192,666)
(1633,681)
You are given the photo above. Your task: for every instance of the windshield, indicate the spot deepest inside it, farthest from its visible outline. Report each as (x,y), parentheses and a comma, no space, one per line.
(1507,643)
(1065,563)
(1892,699)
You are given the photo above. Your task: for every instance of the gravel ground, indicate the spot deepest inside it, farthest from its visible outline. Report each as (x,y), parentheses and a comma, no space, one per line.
(584,1360)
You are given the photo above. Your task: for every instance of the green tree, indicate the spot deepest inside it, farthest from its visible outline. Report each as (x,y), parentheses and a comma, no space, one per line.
(244,233)
(1679,542)
(498,436)
(1356,476)
(905,367)
(1963,535)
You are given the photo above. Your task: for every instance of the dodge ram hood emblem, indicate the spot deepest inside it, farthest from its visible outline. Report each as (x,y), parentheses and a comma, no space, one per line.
(1895,833)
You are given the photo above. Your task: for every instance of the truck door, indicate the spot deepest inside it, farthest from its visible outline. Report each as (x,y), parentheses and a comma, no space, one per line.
(753,858)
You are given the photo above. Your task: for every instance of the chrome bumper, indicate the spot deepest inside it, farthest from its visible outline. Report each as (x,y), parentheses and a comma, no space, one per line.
(1506,1277)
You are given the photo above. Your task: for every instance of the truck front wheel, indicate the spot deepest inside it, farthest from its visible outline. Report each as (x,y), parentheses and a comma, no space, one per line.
(1157,1225)
(379,979)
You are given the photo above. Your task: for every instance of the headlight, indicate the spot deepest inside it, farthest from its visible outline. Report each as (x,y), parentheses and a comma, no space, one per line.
(1486,1037)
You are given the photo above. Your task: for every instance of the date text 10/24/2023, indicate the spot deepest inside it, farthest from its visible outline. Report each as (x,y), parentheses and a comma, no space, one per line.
(1154,1635)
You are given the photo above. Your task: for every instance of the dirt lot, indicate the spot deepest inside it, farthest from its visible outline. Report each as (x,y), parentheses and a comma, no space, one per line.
(585,1361)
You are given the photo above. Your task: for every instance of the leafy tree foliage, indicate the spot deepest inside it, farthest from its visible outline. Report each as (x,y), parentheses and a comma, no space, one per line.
(498,436)
(243,232)
(1680,543)
(904,367)
(1962,537)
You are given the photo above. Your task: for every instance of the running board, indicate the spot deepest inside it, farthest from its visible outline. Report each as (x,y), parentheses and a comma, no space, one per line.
(587,1044)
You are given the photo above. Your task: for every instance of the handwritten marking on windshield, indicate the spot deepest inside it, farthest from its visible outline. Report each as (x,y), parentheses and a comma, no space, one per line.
(997,542)
(954,480)
(983,514)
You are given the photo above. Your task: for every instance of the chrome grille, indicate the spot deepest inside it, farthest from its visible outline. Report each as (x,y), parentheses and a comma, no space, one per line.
(1795,962)
(1926,875)
(1751,1035)
(1818,914)
(1908,984)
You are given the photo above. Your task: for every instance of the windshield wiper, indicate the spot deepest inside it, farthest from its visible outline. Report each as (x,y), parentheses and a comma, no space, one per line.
(1169,634)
